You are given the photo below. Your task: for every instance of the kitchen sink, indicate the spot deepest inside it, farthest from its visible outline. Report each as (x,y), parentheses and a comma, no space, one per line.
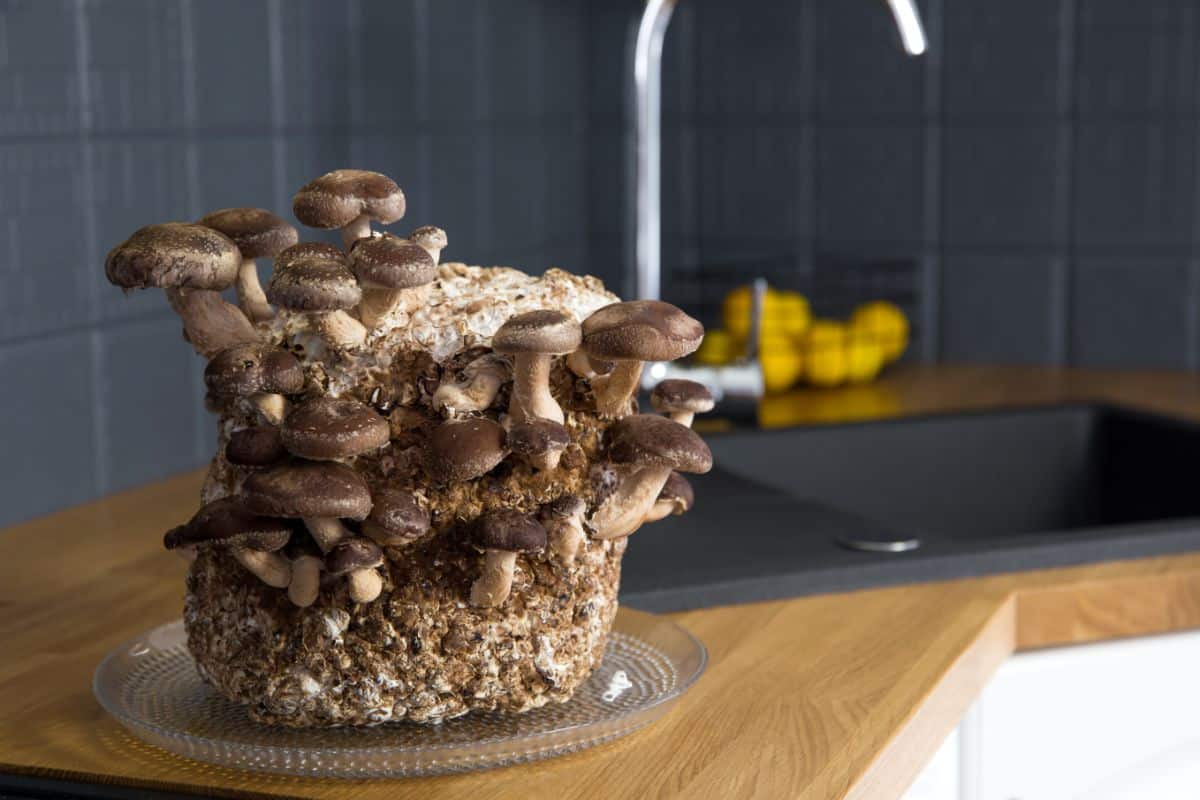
(982,492)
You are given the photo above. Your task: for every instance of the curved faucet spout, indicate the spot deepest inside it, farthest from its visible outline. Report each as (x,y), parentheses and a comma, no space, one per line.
(647,99)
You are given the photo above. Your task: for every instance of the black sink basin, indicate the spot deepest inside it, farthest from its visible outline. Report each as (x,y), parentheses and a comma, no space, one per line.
(984,492)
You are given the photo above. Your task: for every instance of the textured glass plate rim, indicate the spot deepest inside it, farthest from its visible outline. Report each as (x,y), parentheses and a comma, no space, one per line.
(528,746)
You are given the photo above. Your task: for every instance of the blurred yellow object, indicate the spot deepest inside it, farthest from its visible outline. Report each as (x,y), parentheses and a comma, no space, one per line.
(864,355)
(824,350)
(782,363)
(886,323)
(784,313)
(718,347)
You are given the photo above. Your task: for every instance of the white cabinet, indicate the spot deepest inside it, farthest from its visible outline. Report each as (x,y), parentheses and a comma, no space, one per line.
(1111,721)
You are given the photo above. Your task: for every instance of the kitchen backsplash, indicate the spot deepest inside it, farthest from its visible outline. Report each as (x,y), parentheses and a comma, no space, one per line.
(1035,173)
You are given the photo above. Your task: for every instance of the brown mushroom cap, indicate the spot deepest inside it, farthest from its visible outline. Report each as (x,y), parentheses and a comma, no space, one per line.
(247,369)
(174,254)
(536,437)
(512,531)
(391,262)
(257,232)
(227,521)
(257,446)
(461,450)
(303,251)
(350,555)
(308,489)
(396,516)
(641,330)
(564,507)
(314,284)
(648,440)
(326,428)
(336,198)
(546,332)
(675,394)
(429,236)
(679,491)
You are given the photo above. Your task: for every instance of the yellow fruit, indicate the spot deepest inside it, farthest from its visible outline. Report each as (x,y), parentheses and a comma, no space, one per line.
(784,313)
(782,363)
(886,323)
(825,353)
(717,348)
(864,356)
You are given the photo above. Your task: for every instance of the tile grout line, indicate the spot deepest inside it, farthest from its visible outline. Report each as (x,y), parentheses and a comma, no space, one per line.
(933,192)
(278,113)
(1063,266)
(100,435)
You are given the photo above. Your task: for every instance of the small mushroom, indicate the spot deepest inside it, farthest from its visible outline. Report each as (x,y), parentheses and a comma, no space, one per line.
(539,441)
(681,400)
(307,563)
(482,379)
(250,538)
(397,519)
(349,199)
(645,448)
(258,234)
(175,540)
(532,339)
(394,273)
(321,493)
(302,251)
(327,428)
(192,264)
(675,498)
(358,559)
(323,287)
(432,239)
(586,367)
(563,520)
(262,373)
(501,535)
(462,450)
(258,446)
(630,334)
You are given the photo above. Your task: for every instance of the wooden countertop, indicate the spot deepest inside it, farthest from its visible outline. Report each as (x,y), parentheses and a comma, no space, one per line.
(832,696)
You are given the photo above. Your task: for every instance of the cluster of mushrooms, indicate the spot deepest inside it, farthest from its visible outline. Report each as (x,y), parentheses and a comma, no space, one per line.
(304,515)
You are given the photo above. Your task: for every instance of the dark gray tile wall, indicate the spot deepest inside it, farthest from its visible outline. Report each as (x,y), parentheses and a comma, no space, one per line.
(1035,173)
(1037,167)
(117,113)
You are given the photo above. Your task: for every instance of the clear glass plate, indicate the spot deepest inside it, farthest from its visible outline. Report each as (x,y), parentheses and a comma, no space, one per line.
(150,686)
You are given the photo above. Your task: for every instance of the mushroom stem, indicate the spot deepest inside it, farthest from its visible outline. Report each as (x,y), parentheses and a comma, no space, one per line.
(273,407)
(306,581)
(188,554)
(660,510)
(494,583)
(614,390)
(340,329)
(625,510)
(357,228)
(211,324)
(579,363)
(271,568)
(566,537)
(531,389)
(326,531)
(684,418)
(378,304)
(251,297)
(365,585)
(545,461)
(483,378)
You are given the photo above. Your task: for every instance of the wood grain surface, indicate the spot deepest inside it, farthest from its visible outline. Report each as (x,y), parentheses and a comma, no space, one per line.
(831,696)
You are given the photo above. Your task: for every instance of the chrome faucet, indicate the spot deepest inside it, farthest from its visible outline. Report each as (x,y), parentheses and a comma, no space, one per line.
(744,378)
